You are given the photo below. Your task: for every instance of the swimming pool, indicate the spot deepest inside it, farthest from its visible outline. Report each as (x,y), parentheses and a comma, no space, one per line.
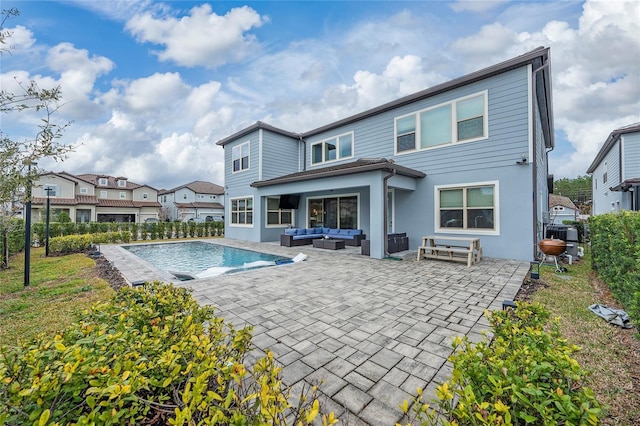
(200,259)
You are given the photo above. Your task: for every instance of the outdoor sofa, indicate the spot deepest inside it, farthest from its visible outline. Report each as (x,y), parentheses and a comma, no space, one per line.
(302,236)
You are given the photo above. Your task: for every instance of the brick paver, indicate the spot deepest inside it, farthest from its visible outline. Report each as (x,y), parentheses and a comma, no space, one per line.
(367,331)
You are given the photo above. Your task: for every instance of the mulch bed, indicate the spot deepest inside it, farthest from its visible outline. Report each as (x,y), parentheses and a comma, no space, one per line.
(108,272)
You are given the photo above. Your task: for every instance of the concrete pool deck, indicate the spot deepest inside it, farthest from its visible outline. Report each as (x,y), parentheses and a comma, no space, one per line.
(368,331)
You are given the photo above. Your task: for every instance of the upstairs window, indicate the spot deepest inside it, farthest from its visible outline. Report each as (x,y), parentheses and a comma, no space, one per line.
(240,157)
(470,118)
(461,120)
(122,183)
(84,190)
(123,195)
(332,149)
(50,190)
(103,181)
(103,194)
(145,196)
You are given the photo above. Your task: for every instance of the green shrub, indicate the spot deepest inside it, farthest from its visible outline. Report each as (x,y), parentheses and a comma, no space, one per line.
(11,234)
(524,376)
(615,254)
(83,242)
(151,356)
(63,217)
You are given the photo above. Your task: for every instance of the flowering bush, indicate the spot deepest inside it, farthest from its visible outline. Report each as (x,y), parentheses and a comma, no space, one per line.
(151,356)
(524,376)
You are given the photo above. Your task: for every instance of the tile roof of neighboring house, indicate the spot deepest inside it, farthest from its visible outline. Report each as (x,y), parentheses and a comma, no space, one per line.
(112,182)
(104,202)
(358,166)
(560,200)
(537,57)
(611,140)
(199,205)
(197,186)
(57,201)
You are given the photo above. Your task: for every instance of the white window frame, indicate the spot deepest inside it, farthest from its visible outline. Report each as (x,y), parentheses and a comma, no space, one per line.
(103,181)
(454,124)
(231,212)
(55,190)
(123,195)
(324,144)
(238,148)
(279,211)
(104,194)
(145,196)
(122,183)
(84,190)
(474,231)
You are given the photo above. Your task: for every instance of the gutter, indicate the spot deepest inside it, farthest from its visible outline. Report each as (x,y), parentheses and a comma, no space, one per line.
(304,153)
(534,169)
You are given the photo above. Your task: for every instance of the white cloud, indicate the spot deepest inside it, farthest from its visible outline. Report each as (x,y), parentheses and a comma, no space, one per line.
(201,39)
(78,73)
(19,40)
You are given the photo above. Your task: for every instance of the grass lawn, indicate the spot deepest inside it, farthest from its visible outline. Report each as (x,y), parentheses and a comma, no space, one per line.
(610,354)
(63,286)
(59,288)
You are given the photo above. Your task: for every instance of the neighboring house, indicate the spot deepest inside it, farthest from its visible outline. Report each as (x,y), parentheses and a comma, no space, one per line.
(94,198)
(197,199)
(562,208)
(467,157)
(615,172)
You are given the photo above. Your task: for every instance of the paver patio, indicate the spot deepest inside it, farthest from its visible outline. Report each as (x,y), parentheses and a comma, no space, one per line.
(369,331)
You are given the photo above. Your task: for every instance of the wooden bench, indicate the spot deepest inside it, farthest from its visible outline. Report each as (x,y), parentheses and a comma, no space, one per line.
(451,248)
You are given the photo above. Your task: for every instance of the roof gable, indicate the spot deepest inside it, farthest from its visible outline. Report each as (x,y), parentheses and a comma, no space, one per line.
(197,186)
(610,142)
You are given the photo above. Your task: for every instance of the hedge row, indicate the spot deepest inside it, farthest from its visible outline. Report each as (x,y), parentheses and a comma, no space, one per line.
(524,376)
(151,356)
(11,231)
(81,243)
(615,254)
(138,231)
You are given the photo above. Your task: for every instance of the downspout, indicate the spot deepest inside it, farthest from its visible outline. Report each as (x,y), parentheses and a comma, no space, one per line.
(534,169)
(385,190)
(304,153)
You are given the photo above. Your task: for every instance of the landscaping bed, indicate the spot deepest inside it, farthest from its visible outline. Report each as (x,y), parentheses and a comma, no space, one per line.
(611,354)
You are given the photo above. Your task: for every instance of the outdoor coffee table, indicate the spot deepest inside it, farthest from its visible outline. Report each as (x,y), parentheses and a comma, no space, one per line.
(329,244)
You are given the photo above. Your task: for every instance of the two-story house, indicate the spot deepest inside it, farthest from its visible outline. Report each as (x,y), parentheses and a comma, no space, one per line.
(198,199)
(466,157)
(561,208)
(94,198)
(615,172)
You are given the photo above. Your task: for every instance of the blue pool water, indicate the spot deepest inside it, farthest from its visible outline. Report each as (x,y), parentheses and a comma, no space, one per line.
(202,259)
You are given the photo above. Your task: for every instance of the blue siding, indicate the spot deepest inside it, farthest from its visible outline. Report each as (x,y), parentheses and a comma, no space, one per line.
(493,159)
(605,200)
(280,155)
(508,130)
(631,151)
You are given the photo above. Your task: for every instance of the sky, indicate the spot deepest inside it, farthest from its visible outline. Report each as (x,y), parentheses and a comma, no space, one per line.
(150,87)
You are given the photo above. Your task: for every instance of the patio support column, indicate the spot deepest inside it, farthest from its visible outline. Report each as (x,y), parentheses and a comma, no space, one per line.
(377,204)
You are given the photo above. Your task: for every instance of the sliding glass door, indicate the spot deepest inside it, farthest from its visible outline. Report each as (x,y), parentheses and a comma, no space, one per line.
(333,212)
